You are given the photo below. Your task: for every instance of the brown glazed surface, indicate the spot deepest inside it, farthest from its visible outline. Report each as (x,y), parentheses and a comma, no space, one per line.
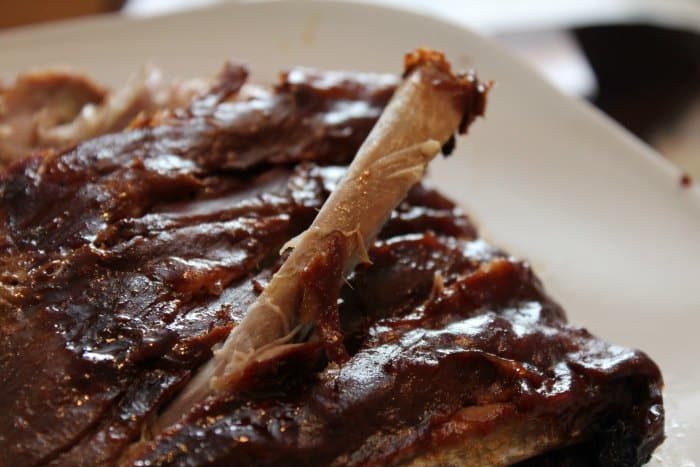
(125,259)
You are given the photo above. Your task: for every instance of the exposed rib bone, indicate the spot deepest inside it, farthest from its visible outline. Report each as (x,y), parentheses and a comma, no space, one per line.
(426,110)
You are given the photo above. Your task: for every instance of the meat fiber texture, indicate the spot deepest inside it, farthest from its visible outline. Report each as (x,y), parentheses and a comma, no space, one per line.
(128,258)
(50,110)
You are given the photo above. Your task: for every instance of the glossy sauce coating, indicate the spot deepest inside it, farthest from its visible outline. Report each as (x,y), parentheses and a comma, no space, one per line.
(127,258)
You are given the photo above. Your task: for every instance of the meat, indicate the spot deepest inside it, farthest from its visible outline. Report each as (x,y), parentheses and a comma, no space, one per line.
(390,161)
(131,255)
(144,94)
(126,259)
(41,99)
(55,109)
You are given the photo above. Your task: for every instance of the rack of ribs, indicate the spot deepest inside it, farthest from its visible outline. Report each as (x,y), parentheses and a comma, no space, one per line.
(214,285)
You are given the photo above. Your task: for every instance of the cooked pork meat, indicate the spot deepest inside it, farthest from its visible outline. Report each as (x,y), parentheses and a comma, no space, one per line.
(55,109)
(41,99)
(145,94)
(128,258)
(392,159)
(137,306)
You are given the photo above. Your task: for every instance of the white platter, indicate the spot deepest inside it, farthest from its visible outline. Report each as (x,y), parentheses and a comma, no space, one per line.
(602,218)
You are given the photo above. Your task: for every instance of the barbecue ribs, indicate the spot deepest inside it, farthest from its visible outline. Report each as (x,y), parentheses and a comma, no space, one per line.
(126,260)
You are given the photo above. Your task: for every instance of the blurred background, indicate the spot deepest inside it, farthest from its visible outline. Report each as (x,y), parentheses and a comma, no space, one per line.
(636,60)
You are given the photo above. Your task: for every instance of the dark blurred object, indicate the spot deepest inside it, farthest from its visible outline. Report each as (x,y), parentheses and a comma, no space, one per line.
(22,12)
(648,77)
